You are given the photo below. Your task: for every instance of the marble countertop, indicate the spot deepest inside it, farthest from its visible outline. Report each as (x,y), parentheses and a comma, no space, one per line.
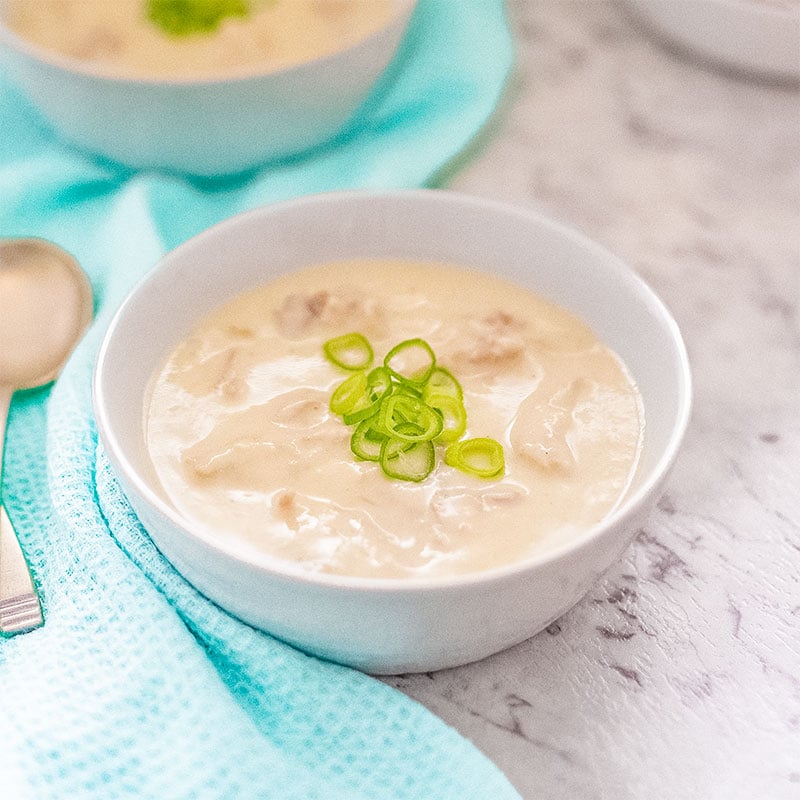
(678,675)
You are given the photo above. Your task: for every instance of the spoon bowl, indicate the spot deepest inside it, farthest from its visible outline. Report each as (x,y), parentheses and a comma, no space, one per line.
(45,307)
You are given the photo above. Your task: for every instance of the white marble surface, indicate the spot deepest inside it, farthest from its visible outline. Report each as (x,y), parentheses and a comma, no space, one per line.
(678,676)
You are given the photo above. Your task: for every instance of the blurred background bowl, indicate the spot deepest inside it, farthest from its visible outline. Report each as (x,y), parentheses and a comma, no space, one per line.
(759,37)
(390,625)
(203,127)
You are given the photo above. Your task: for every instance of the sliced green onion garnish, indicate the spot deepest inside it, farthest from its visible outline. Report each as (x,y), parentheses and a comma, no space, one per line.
(454,416)
(407,461)
(412,361)
(350,351)
(379,385)
(351,395)
(442,382)
(400,409)
(379,382)
(367,439)
(361,412)
(408,390)
(184,17)
(480,456)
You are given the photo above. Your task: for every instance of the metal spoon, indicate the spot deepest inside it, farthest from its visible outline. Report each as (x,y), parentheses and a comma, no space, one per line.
(45,307)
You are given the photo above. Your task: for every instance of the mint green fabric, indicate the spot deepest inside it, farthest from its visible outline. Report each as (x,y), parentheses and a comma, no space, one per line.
(137,686)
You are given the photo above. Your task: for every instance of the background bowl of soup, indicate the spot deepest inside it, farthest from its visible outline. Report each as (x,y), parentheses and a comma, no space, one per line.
(421,620)
(283,79)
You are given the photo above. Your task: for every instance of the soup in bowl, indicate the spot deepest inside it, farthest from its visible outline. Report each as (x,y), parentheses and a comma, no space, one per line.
(164,39)
(401,431)
(282,421)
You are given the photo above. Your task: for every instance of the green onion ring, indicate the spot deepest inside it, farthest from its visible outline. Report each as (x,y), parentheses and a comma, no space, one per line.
(454,416)
(351,394)
(399,409)
(407,461)
(379,382)
(415,350)
(367,439)
(442,382)
(379,385)
(350,351)
(481,456)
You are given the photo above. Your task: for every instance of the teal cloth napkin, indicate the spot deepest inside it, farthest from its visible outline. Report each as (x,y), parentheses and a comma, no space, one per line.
(137,686)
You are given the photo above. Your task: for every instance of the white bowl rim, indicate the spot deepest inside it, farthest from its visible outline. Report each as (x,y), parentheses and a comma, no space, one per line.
(402,11)
(289,571)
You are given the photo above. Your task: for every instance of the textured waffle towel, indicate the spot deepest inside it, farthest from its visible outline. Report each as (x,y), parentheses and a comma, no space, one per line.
(137,686)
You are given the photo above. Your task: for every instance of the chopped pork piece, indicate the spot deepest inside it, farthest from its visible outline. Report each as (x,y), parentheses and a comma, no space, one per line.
(494,342)
(233,380)
(303,315)
(285,504)
(299,312)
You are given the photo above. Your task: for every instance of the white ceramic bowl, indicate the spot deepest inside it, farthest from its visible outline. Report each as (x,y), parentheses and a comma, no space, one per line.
(203,127)
(390,625)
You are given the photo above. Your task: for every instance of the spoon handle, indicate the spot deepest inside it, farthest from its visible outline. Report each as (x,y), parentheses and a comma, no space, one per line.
(20,609)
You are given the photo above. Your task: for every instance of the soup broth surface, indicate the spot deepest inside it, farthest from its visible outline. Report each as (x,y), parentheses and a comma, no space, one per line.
(118,36)
(240,432)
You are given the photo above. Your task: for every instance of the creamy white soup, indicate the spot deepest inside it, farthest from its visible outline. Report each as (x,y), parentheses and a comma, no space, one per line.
(125,37)
(242,437)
